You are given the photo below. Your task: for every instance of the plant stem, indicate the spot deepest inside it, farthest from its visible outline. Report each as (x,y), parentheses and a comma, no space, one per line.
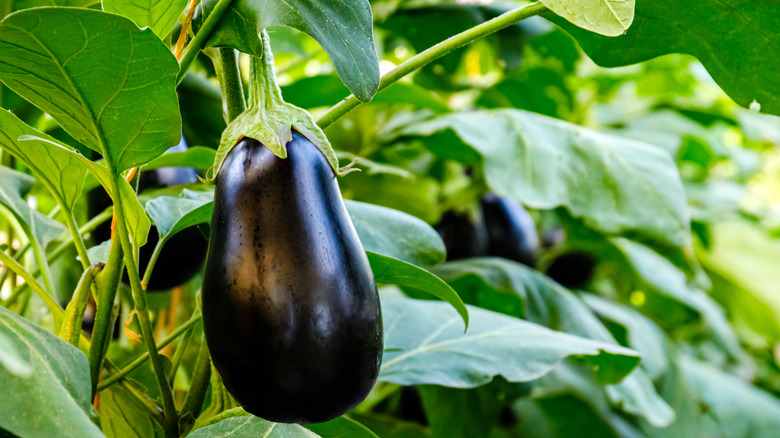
(152,262)
(108,283)
(119,375)
(201,377)
(55,308)
(142,310)
(43,265)
(230,83)
(70,331)
(200,39)
(437,51)
(179,355)
(54,254)
(77,240)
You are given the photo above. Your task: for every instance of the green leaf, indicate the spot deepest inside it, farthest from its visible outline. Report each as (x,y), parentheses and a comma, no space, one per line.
(198,157)
(53,164)
(639,333)
(738,43)
(341,427)
(395,234)
(123,416)
(158,15)
(11,360)
(99,253)
(172,215)
(734,407)
(138,224)
(743,266)
(123,106)
(615,185)
(512,288)
(252,427)
(390,270)
(14,185)
(606,17)
(343,28)
(424,345)
(667,288)
(55,400)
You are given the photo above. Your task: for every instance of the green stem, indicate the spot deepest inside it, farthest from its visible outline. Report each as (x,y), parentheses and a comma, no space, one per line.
(142,310)
(179,355)
(77,240)
(200,39)
(152,262)
(201,377)
(427,56)
(55,308)
(121,374)
(70,331)
(108,283)
(264,89)
(230,83)
(43,265)
(56,253)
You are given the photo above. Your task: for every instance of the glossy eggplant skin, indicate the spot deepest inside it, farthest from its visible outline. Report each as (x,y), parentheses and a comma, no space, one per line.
(183,254)
(462,237)
(290,307)
(503,228)
(511,231)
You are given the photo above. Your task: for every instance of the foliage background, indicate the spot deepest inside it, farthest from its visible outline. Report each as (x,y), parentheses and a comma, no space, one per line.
(637,149)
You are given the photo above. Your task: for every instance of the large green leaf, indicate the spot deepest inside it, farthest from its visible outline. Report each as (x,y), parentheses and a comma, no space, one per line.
(341,427)
(393,233)
(123,416)
(55,399)
(252,427)
(666,290)
(424,344)
(14,185)
(737,41)
(343,28)
(638,332)
(172,214)
(158,15)
(512,288)
(606,17)
(614,184)
(735,409)
(743,264)
(390,270)
(123,106)
(53,165)
(11,360)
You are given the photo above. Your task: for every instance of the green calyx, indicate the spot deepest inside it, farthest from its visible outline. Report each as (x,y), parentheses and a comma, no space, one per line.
(269,119)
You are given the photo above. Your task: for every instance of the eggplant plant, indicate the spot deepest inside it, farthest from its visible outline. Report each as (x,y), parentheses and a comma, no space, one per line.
(394,218)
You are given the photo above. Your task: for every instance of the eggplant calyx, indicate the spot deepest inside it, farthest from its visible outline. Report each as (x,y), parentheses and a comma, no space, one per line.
(269,119)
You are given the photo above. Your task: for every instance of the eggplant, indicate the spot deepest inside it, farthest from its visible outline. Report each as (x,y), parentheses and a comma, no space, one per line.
(183,254)
(511,230)
(573,269)
(463,238)
(291,312)
(503,228)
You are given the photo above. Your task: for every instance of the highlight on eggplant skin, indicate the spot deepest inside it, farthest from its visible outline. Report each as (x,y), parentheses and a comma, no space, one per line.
(288,283)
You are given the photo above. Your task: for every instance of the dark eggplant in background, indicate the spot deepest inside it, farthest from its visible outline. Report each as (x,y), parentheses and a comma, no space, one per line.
(183,254)
(288,283)
(502,228)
